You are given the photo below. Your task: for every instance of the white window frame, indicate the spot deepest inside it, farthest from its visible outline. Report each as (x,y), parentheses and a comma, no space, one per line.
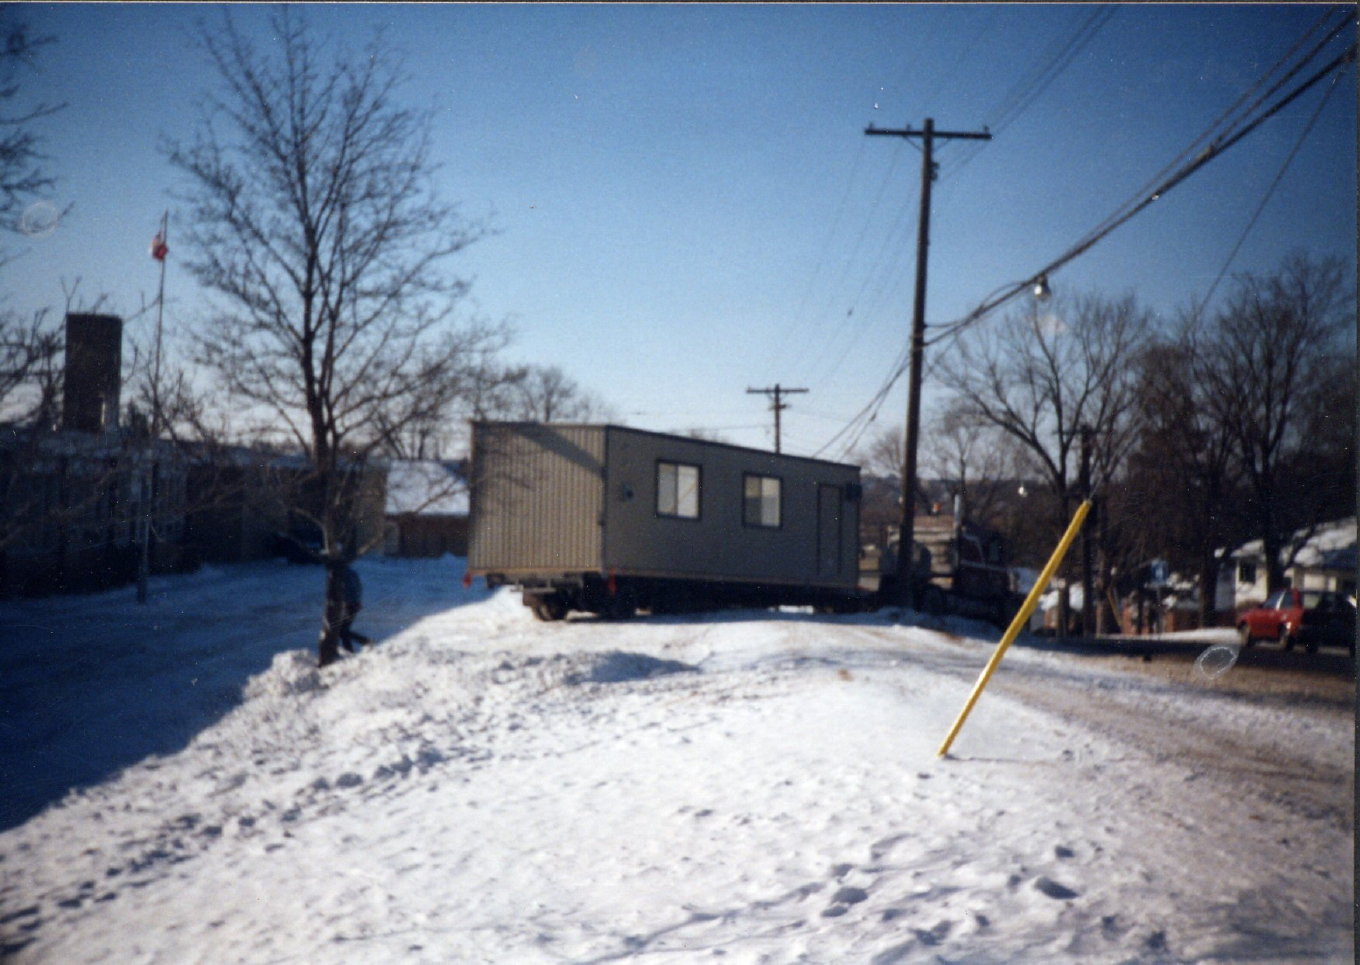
(762,508)
(679,488)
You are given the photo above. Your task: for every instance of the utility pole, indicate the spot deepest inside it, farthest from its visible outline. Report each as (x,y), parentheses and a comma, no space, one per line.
(777,392)
(1088,601)
(918,342)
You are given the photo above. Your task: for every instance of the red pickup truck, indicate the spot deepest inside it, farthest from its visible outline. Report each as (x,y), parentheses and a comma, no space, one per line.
(1309,617)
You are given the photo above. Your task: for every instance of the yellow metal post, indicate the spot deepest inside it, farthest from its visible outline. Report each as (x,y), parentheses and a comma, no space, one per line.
(1020,620)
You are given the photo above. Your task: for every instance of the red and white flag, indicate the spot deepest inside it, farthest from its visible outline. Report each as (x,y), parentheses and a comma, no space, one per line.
(159,249)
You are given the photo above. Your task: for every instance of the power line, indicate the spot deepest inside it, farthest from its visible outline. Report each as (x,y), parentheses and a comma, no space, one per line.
(1015,102)
(1227,120)
(961,58)
(811,346)
(860,422)
(805,319)
(1214,150)
(1271,190)
(1023,94)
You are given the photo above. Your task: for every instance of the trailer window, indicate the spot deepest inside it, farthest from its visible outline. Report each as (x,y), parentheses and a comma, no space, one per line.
(762,503)
(677,490)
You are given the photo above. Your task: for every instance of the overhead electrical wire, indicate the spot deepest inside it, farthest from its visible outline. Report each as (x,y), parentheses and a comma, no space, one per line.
(1225,140)
(1270,192)
(1011,106)
(800,312)
(1029,89)
(805,346)
(961,58)
(860,422)
(1127,212)
(1226,120)
(861,311)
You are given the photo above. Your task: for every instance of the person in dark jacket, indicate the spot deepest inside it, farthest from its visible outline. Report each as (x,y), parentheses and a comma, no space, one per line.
(351,598)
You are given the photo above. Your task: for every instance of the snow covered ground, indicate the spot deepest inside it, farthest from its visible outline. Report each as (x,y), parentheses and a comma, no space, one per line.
(742,787)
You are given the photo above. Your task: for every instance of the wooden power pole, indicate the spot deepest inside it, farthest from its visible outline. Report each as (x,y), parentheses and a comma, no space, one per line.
(777,392)
(928,135)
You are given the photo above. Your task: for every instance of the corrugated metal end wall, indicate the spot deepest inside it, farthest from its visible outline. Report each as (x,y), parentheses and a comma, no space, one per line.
(537,496)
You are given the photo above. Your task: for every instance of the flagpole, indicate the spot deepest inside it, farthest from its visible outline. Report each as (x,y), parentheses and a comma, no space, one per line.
(160,246)
(160,313)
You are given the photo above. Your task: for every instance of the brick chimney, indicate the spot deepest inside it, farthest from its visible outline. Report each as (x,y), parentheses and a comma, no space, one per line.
(94,357)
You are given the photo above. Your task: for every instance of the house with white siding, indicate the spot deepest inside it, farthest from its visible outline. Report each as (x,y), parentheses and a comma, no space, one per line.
(1319,557)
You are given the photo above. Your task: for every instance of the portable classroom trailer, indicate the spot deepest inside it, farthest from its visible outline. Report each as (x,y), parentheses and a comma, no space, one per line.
(607,519)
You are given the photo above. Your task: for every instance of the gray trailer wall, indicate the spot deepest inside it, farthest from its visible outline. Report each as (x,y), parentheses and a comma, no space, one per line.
(816,543)
(557,499)
(536,498)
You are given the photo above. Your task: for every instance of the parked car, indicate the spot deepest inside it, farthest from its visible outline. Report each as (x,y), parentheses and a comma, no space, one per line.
(1309,617)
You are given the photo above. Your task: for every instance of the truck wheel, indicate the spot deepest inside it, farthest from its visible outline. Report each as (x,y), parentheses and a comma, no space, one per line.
(623,606)
(548,608)
(1002,615)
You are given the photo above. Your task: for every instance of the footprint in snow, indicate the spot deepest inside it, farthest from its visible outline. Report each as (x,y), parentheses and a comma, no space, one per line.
(1053,889)
(843,899)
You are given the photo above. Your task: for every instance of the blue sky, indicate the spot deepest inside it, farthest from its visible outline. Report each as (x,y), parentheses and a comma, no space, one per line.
(686,202)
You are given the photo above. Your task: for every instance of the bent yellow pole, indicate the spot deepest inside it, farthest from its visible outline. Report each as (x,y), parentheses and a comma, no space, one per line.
(1020,620)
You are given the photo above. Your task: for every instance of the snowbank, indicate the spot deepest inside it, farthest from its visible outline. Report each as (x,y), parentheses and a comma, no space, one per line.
(480,787)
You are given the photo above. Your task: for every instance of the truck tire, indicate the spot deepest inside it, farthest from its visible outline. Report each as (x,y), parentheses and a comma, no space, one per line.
(549,609)
(622,606)
(933,602)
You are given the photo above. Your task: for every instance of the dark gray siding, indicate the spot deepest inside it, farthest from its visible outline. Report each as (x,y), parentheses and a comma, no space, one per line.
(536,498)
(815,544)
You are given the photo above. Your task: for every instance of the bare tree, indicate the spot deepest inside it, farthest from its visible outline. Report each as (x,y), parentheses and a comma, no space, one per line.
(1182,465)
(1046,372)
(29,377)
(30,371)
(544,393)
(23,177)
(30,394)
(315,220)
(1271,362)
(1050,373)
(30,374)
(971,456)
(883,455)
(437,426)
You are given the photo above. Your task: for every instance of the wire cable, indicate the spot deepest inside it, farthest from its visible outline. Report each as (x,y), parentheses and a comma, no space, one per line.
(1012,105)
(1023,95)
(1217,149)
(1005,293)
(1226,120)
(796,337)
(807,346)
(1271,190)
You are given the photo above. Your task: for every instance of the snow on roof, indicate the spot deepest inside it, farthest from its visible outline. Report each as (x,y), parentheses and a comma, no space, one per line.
(426,487)
(1320,549)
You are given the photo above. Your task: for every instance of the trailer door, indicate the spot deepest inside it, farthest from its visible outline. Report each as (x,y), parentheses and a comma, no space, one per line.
(829,515)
